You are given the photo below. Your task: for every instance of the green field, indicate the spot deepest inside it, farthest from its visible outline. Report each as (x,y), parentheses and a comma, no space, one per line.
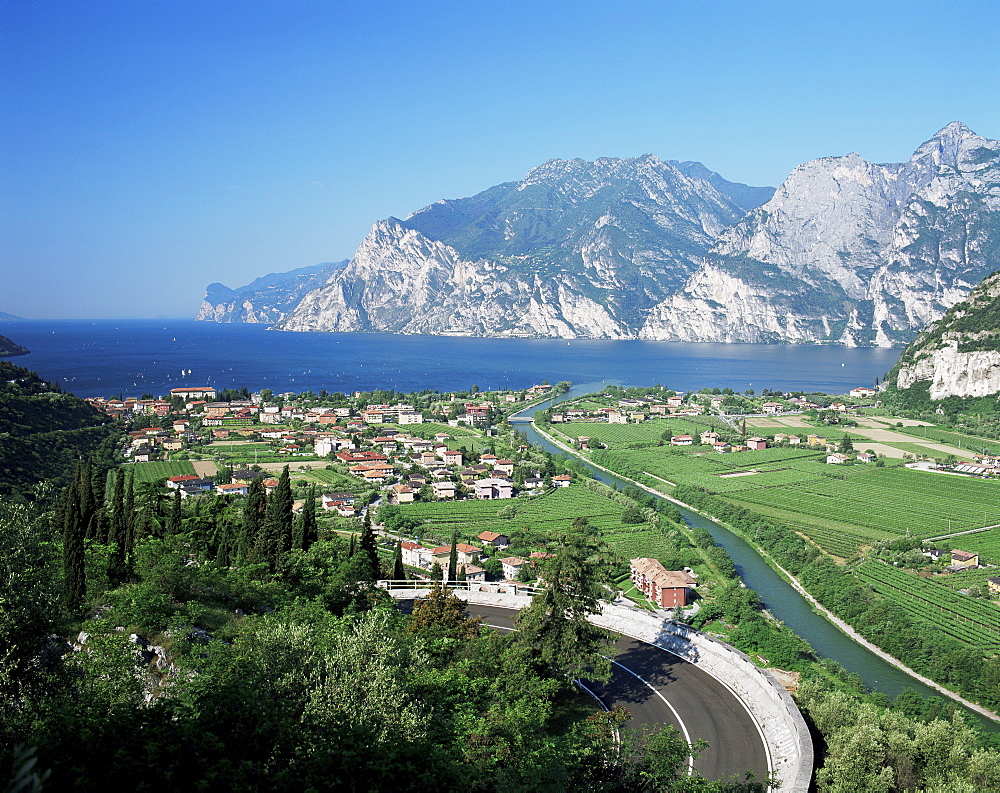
(893,500)
(550,512)
(969,578)
(970,621)
(986,544)
(160,469)
(841,508)
(618,436)
(940,435)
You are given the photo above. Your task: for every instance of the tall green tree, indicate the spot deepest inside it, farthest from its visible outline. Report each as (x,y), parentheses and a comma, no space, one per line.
(130,527)
(254,508)
(453,557)
(554,628)
(306,527)
(117,531)
(175,523)
(74,533)
(275,540)
(368,546)
(398,571)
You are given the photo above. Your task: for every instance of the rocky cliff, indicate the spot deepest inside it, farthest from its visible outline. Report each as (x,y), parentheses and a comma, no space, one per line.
(849,251)
(266,299)
(959,355)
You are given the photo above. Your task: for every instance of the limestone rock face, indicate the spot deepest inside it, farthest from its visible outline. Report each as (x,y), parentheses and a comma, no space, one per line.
(960,354)
(849,251)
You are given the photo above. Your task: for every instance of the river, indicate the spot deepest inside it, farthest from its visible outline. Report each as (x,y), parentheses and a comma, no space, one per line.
(778,596)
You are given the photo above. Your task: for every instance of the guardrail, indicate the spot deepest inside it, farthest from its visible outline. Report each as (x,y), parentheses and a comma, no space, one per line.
(782,728)
(488,587)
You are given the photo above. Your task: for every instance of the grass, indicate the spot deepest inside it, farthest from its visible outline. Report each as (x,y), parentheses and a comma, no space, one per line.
(160,469)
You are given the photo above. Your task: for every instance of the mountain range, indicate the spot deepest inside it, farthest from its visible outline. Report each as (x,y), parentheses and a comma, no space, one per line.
(843,251)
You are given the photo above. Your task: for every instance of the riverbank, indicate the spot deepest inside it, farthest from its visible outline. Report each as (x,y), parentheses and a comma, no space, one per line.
(832,619)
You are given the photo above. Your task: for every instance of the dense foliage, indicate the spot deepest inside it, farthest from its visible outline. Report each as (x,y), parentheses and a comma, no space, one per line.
(44,431)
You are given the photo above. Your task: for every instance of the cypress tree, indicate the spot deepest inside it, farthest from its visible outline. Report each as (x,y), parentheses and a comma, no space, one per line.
(130,521)
(276,537)
(310,527)
(398,571)
(253,521)
(116,531)
(74,531)
(175,525)
(453,557)
(369,546)
(353,549)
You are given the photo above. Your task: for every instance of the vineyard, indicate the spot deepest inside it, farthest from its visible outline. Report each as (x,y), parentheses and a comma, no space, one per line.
(160,470)
(940,435)
(986,544)
(891,500)
(970,578)
(972,622)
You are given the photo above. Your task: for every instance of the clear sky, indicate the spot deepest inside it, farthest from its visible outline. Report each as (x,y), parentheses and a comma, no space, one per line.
(150,147)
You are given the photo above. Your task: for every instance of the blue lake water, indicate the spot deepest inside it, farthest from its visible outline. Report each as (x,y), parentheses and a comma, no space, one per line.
(105,357)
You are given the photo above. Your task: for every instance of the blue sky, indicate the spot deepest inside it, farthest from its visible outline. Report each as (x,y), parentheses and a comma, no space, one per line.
(150,148)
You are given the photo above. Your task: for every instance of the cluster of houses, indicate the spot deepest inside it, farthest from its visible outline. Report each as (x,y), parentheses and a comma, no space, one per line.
(468,557)
(440,468)
(191,485)
(713,439)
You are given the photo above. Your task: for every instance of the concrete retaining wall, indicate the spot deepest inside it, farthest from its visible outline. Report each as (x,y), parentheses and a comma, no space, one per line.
(782,727)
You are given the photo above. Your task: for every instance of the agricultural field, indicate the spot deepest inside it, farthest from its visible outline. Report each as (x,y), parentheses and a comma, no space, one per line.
(539,514)
(159,470)
(622,435)
(841,508)
(877,503)
(970,621)
(940,435)
(986,544)
(721,473)
(969,578)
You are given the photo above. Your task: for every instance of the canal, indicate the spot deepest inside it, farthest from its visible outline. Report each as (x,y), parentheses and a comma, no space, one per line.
(779,597)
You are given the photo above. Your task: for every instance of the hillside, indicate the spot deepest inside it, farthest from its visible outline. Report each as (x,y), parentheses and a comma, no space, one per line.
(43,432)
(9,349)
(959,355)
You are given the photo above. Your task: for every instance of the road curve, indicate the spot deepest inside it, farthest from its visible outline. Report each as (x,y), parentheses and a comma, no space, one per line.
(646,678)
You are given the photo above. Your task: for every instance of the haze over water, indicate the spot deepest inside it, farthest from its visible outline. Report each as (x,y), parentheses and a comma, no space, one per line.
(107,357)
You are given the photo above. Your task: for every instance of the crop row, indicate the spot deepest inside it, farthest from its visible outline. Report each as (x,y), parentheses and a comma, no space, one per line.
(933,595)
(160,469)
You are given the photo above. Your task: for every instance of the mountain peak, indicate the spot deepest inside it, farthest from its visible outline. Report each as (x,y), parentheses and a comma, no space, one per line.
(950,145)
(956,129)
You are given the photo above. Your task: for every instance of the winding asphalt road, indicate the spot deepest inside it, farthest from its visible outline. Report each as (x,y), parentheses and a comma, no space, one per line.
(658,688)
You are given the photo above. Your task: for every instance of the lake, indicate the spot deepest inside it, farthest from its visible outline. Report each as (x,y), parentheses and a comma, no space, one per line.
(130,357)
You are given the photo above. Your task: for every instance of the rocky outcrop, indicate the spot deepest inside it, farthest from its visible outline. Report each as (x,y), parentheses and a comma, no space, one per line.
(8,348)
(960,354)
(267,299)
